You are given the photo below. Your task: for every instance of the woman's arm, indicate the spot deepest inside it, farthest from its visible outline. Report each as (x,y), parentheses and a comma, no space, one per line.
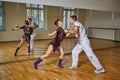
(16,28)
(53,33)
(67,33)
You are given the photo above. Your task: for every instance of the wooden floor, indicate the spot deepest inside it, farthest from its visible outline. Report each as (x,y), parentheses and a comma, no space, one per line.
(21,66)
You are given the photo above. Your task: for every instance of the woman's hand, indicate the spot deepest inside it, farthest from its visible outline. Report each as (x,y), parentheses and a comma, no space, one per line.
(49,35)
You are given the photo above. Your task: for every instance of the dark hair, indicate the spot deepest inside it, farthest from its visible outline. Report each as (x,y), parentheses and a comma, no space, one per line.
(56,22)
(26,22)
(30,19)
(74,17)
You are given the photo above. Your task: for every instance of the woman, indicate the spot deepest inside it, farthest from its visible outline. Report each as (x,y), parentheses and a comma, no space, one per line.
(55,44)
(26,36)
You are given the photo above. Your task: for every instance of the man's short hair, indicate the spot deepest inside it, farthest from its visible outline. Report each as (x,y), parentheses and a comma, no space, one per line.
(30,19)
(74,17)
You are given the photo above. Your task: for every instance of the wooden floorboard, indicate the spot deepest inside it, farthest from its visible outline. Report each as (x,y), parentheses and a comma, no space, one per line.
(21,66)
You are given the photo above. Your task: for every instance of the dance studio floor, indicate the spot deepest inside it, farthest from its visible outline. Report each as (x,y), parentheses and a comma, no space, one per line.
(21,66)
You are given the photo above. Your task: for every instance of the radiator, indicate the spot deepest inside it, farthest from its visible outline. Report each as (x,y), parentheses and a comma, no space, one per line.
(117,35)
(90,32)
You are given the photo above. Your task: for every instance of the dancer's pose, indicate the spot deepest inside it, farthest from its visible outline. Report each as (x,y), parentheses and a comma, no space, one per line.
(35,29)
(55,44)
(27,29)
(83,44)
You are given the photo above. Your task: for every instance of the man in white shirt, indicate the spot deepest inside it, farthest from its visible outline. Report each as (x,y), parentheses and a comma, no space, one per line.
(35,28)
(83,44)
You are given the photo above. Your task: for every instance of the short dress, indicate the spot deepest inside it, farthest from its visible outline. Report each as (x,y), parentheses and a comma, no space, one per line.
(58,39)
(27,32)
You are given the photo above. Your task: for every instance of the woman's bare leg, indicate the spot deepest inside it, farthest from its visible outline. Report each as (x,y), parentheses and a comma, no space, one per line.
(28,44)
(61,52)
(50,49)
(21,43)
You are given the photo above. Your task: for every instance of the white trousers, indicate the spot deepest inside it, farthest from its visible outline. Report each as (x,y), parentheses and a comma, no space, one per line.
(85,46)
(32,42)
(33,38)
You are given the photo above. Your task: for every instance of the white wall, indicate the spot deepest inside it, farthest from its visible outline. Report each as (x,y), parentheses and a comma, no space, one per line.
(106,5)
(103,19)
(12,17)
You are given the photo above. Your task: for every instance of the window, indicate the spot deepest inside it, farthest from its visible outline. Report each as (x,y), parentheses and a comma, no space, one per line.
(66,13)
(1,17)
(36,12)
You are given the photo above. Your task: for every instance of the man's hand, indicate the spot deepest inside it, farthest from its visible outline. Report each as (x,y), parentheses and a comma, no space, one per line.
(66,31)
(74,30)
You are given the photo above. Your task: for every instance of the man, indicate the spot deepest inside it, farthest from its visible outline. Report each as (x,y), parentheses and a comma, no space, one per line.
(35,28)
(83,44)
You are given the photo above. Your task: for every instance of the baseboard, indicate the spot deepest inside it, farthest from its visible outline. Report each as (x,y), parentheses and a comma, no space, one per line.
(65,38)
(35,40)
(102,39)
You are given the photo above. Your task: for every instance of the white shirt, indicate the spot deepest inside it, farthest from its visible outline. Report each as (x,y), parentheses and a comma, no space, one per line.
(82,32)
(34,30)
